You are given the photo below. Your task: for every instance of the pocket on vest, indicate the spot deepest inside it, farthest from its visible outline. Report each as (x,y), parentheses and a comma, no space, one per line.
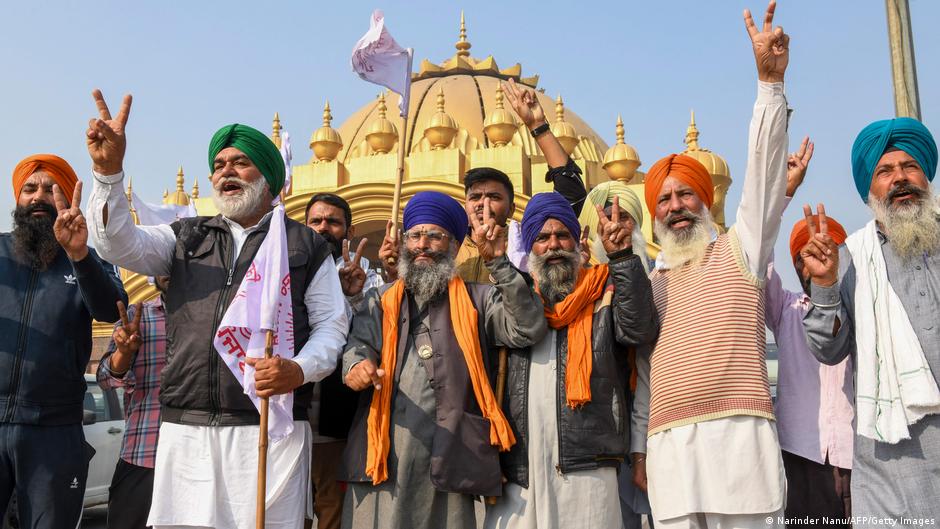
(463,460)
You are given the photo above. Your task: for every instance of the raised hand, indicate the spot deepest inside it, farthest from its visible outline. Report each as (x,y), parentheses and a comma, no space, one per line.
(126,339)
(585,247)
(797,164)
(351,276)
(771,46)
(70,228)
(388,253)
(525,103)
(615,235)
(105,136)
(820,254)
(489,237)
(363,375)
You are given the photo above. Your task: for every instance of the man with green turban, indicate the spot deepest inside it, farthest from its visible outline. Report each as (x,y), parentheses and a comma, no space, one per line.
(877,298)
(206,463)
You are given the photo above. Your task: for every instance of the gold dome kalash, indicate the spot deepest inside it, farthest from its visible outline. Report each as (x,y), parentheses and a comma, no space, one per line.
(717,167)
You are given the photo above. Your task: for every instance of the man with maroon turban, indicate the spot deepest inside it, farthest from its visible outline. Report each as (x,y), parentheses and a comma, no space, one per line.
(51,286)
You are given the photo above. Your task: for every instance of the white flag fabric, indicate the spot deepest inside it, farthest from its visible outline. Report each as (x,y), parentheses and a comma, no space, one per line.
(262,303)
(377,58)
(154,215)
(287,155)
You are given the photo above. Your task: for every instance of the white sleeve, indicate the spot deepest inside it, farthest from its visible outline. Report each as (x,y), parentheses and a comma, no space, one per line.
(147,250)
(765,182)
(329,324)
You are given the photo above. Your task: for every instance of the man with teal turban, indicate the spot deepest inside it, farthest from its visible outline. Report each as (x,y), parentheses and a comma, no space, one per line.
(209,430)
(876,298)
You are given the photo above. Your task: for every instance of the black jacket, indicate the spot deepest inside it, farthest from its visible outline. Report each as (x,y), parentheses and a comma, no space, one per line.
(598,433)
(197,387)
(45,333)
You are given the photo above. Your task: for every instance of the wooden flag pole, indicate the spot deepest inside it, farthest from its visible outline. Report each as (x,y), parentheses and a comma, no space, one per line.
(500,393)
(396,196)
(263,443)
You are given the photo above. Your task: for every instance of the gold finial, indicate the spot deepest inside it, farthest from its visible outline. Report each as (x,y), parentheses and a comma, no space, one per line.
(130,192)
(619,129)
(621,161)
(179,179)
(325,141)
(564,131)
(559,109)
(500,126)
(178,197)
(130,201)
(166,195)
(276,130)
(440,99)
(382,106)
(195,193)
(382,133)
(691,135)
(499,95)
(442,128)
(463,45)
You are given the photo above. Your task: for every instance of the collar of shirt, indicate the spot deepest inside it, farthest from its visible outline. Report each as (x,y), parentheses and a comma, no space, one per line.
(239,234)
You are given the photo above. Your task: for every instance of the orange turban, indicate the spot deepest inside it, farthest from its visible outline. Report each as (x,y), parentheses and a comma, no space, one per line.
(687,169)
(800,235)
(59,169)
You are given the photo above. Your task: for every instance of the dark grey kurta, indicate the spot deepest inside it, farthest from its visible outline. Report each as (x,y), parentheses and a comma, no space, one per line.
(888,480)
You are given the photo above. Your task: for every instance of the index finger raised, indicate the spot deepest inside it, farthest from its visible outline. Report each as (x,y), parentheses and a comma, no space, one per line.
(103,111)
(769,15)
(359,250)
(125,110)
(823,219)
(77,196)
(138,310)
(810,220)
(749,23)
(615,211)
(346,252)
(58,198)
(122,311)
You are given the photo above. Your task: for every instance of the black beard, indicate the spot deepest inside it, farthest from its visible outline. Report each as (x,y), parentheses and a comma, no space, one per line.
(33,238)
(336,247)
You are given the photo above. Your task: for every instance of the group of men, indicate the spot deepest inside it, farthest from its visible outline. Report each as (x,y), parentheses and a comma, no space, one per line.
(502,373)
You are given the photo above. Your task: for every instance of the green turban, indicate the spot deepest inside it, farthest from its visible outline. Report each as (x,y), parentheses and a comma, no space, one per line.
(259,148)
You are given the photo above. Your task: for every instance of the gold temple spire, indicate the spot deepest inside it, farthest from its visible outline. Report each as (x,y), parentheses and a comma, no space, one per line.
(563,130)
(442,128)
(500,125)
(716,166)
(326,141)
(130,201)
(178,197)
(691,134)
(195,194)
(382,133)
(621,161)
(166,195)
(463,45)
(276,130)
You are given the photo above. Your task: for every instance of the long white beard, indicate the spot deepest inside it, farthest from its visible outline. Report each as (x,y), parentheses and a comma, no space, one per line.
(687,245)
(426,281)
(555,281)
(242,205)
(913,229)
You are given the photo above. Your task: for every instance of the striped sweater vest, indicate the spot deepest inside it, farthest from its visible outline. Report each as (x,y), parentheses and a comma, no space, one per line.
(709,361)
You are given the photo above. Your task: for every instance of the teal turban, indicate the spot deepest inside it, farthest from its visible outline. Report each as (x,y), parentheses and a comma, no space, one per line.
(906,134)
(259,148)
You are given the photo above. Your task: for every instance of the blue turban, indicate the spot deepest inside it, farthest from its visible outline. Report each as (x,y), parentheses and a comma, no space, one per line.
(542,207)
(906,134)
(432,207)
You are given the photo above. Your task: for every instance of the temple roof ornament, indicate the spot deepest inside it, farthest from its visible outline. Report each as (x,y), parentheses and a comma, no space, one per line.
(500,126)
(276,130)
(716,165)
(564,131)
(195,194)
(178,197)
(441,127)
(382,133)
(621,161)
(326,142)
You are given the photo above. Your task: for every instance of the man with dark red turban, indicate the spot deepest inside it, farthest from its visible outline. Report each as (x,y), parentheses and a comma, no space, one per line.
(51,287)
(713,455)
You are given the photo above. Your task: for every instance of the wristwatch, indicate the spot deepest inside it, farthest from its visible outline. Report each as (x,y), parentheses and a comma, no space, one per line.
(541,129)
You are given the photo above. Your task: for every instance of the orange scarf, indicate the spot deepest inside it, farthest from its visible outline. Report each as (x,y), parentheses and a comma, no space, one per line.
(577,313)
(463,317)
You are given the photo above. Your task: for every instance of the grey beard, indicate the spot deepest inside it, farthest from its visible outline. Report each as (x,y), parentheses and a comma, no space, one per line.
(913,229)
(426,281)
(555,281)
(687,244)
(244,205)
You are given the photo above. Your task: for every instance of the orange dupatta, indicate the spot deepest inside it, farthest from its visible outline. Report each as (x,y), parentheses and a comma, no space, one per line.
(463,317)
(577,313)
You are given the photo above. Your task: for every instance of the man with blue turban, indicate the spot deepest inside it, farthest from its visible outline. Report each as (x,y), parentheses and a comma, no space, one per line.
(206,463)
(427,435)
(566,394)
(876,298)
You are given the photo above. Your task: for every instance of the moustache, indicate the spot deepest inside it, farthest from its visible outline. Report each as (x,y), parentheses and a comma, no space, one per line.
(27,211)
(905,188)
(679,216)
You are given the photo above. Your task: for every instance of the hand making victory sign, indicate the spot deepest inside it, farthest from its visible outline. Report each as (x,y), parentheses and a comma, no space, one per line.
(797,164)
(525,104)
(105,136)
(70,228)
(489,237)
(388,253)
(821,254)
(126,339)
(771,46)
(585,247)
(352,278)
(615,235)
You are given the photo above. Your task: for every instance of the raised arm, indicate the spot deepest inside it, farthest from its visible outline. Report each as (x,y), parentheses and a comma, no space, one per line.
(146,250)
(762,200)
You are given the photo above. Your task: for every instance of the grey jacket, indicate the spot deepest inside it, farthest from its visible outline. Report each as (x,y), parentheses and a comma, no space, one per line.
(596,434)
(462,459)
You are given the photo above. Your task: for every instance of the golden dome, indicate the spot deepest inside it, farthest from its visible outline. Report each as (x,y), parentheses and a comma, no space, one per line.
(325,141)
(500,126)
(716,165)
(567,136)
(178,197)
(621,161)
(382,134)
(441,128)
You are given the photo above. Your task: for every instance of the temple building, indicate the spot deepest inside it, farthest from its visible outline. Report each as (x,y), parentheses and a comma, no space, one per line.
(457,121)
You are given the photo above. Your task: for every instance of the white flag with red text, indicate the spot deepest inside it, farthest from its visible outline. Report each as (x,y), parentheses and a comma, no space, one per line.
(377,58)
(262,303)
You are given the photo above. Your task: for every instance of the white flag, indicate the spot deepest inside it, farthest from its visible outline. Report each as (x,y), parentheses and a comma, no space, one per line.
(377,58)
(154,215)
(262,303)
(287,155)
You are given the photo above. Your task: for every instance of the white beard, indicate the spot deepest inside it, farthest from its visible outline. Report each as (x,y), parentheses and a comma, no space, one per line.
(426,281)
(913,229)
(687,245)
(242,205)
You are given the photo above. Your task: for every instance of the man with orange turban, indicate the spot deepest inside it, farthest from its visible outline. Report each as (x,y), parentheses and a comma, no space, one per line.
(712,455)
(427,435)
(51,287)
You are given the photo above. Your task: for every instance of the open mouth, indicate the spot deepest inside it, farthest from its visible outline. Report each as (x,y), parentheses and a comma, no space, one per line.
(555,260)
(40,213)
(903,196)
(231,188)
(680,222)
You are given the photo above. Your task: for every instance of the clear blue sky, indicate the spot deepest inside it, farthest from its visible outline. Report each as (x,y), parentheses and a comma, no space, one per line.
(194,66)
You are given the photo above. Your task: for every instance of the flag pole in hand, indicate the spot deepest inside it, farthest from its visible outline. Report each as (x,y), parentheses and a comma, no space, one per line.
(263,442)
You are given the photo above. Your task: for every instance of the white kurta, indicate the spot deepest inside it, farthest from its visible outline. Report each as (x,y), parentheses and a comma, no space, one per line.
(584,499)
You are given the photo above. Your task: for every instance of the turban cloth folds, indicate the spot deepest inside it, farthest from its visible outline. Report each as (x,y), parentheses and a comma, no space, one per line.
(906,134)
(544,206)
(685,168)
(259,148)
(60,170)
(799,236)
(603,195)
(433,207)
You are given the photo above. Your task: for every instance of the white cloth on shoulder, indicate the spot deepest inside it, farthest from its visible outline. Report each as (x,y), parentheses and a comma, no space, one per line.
(894,385)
